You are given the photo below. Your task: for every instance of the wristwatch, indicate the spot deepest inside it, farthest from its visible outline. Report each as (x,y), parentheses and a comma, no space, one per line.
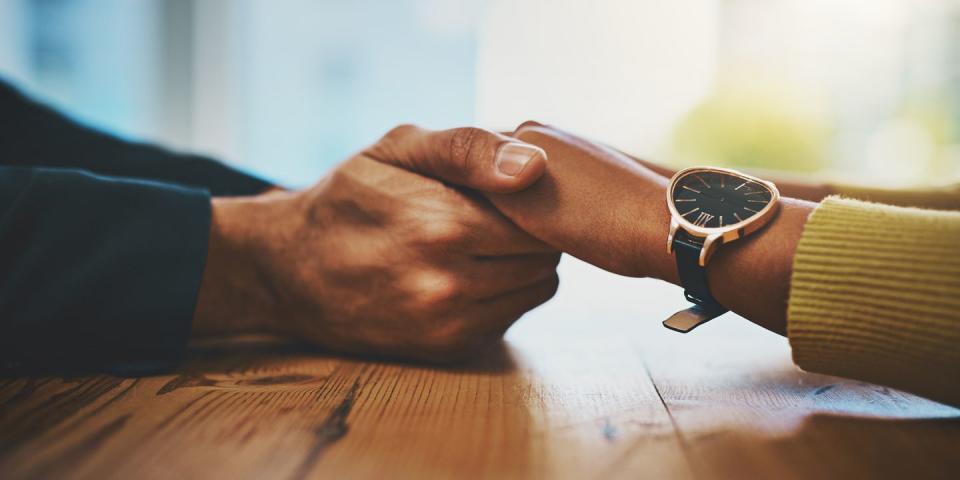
(710,207)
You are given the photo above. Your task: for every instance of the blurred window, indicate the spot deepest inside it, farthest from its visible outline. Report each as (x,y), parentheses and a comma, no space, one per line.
(862,89)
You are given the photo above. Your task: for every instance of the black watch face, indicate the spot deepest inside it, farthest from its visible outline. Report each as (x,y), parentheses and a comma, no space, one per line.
(714,199)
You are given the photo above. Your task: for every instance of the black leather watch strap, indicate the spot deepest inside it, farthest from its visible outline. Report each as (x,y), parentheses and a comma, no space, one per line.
(693,277)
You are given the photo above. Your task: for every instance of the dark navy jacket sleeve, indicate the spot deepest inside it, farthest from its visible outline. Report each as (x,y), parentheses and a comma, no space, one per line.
(98,273)
(102,244)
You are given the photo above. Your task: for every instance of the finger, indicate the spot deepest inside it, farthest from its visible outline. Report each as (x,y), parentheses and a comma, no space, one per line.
(454,219)
(489,277)
(493,316)
(491,234)
(469,157)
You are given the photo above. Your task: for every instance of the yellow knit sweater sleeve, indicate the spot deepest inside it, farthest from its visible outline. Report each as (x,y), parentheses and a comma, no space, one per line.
(875,296)
(946,197)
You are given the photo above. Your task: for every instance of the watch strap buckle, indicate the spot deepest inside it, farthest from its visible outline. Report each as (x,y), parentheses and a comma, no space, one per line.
(689,318)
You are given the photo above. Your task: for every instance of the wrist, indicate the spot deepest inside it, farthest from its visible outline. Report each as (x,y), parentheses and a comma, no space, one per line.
(662,264)
(233,298)
(650,254)
(752,276)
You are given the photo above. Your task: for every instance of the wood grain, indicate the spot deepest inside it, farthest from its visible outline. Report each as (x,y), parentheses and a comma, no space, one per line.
(589,386)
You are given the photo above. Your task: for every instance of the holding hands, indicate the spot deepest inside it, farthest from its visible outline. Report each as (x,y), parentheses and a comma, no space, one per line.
(377,259)
(430,244)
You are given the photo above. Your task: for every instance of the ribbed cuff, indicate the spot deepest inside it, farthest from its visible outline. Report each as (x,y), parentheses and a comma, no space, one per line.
(875,296)
(939,198)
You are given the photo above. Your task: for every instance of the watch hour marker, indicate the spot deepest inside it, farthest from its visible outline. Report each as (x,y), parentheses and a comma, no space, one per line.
(737,217)
(691,211)
(756,201)
(721,216)
(753,193)
(741,185)
(692,190)
(685,200)
(702,219)
(750,210)
(704,182)
(721,181)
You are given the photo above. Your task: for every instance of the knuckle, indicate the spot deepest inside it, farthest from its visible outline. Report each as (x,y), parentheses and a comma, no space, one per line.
(464,141)
(542,292)
(438,297)
(444,233)
(436,292)
(550,261)
(542,270)
(551,287)
(390,144)
(400,131)
(555,259)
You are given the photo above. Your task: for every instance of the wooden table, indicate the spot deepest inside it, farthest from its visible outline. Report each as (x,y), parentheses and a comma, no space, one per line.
(588,386)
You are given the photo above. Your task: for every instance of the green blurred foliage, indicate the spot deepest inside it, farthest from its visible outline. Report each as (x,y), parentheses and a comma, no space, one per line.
(740,125)
(931,112)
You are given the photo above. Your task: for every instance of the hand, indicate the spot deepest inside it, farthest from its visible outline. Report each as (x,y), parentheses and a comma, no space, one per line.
(610,210)
(594,203)
(376,259)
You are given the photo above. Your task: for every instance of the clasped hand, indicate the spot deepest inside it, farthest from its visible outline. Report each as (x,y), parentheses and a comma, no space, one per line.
(428,244)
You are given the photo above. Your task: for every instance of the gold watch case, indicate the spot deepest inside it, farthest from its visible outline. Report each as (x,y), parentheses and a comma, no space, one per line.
(714,236)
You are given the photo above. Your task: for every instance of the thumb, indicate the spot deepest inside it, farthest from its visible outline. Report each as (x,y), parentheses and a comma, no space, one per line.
(469,157)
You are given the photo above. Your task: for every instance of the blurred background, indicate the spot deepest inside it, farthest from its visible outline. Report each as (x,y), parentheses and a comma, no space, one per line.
(856,90)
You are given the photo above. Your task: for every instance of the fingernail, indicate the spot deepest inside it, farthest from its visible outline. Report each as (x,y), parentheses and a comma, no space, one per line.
(512,158)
